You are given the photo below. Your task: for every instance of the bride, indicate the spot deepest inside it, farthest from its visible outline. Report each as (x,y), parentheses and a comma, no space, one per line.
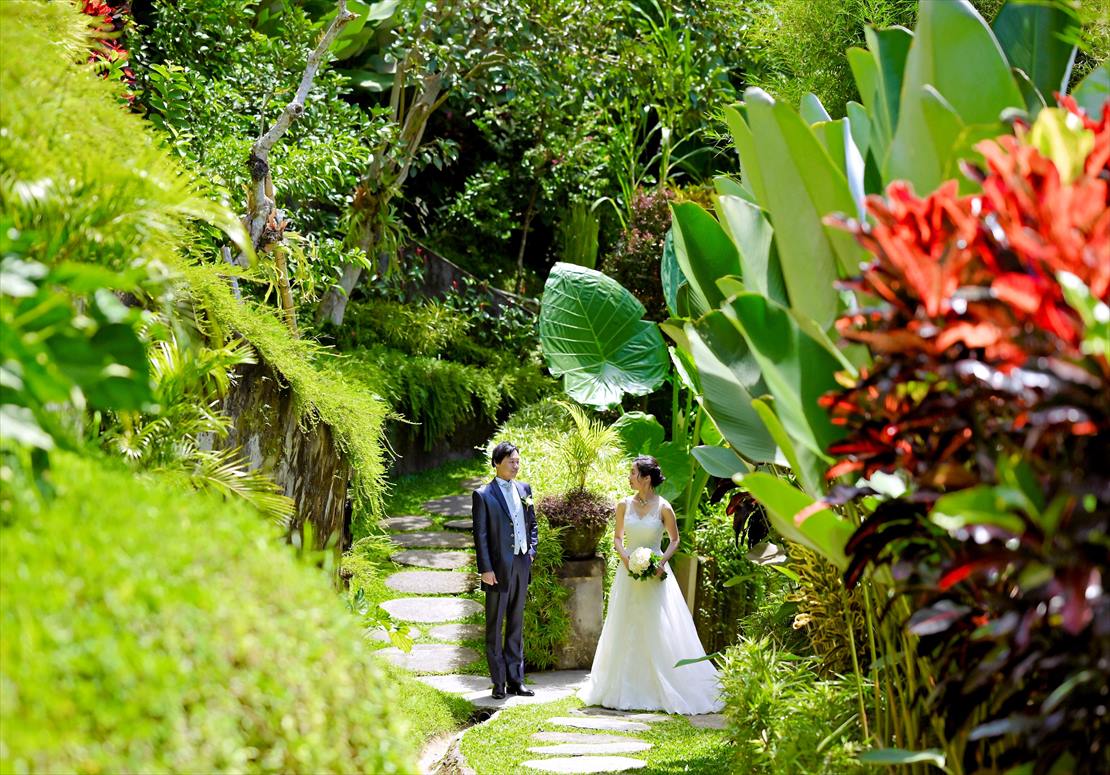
(648,627)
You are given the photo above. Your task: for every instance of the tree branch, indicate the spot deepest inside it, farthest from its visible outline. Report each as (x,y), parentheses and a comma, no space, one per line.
(262,185)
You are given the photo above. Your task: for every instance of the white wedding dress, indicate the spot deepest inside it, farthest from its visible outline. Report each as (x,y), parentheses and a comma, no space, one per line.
(647,629)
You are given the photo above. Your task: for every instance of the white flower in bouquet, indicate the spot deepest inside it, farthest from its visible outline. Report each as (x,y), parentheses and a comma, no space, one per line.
(640,560)
(642,564)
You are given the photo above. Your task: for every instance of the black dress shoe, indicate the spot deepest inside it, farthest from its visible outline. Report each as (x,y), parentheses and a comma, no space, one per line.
(498,692)
(521,691)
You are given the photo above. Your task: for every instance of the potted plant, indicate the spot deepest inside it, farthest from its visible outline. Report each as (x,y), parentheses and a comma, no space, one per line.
(580,515)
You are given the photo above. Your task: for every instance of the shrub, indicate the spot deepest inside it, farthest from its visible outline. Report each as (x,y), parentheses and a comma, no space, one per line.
(576,510)
(635,261)
(990,392)
(152,629)
(782,718)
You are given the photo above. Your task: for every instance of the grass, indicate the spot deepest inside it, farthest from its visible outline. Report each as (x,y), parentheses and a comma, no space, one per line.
(501,745)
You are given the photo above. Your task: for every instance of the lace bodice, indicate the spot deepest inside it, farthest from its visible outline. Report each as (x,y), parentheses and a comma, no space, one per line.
(643,530)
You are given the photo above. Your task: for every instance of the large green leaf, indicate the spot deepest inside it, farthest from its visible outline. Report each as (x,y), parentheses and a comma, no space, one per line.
(955,53)
(797,369)
(670,274)
(823,531)
(889,49)
(677,466)
(803,184)
(1039,39)
(721,462)
(728,378)
(742,138)
(593,336)
(1093,91)
(808,468)
(754,239)
(640,433)
(704,251)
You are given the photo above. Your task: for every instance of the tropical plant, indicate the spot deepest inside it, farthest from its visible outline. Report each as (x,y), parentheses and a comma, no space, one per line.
(755,296)
(1003,532)
(634,262)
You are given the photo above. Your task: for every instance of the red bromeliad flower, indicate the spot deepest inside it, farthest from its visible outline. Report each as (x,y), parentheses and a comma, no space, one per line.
(114,20)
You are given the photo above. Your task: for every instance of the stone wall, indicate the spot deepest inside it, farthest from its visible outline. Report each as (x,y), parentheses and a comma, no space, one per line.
(301,456)
(584,581)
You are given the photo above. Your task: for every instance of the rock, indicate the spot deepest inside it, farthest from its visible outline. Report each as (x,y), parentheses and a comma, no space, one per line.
(432,582)
(433,540)
(579,737)
(407,523)
(473,483)
(459,684)
(709,721)
(630,715)
(586,764)
(457,632)
(549,686)
(460,524)
(431,658)
(431,609)
(592,748)
(427,559)
(605,724)
(450,506)
(584,581)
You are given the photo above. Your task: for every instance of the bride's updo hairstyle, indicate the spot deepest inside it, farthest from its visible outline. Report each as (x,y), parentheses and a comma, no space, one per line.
(648,466)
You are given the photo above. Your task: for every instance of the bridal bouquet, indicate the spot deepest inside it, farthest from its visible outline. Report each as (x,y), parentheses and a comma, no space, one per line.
(643,563)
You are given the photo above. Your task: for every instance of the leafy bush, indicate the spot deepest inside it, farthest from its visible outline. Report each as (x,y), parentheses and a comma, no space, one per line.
(418,328)
(990,393)
(441,395)
(782,718)
(577,510)
(152,629)
(635,260)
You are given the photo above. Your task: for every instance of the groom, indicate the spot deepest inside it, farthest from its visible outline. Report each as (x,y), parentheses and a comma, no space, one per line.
(505,537)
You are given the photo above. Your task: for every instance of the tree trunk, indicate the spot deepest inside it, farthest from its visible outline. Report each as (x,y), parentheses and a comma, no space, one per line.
(334,304)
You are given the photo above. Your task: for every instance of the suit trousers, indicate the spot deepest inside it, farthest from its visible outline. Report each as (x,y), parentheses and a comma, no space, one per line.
(505,610)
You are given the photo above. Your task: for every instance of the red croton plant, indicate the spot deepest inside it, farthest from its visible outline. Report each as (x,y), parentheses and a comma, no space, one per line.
(110,52)
(989,394)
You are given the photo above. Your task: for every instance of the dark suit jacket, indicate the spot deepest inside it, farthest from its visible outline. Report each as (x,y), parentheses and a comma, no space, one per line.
(493,529)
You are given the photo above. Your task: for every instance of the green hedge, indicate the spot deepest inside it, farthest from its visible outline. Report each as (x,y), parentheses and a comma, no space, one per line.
(148,628)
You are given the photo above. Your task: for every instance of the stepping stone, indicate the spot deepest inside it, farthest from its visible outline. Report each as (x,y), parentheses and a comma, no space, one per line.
(407,523)
(586,764)
(431,582)
(630,715)
(426,559)
(580,737)
(605,724)
(549,686)
(450,506)
(436,539)
(431,609)
(709,721)
(431,658)
(457,632)
(459,524)
(473,483)
(589,749)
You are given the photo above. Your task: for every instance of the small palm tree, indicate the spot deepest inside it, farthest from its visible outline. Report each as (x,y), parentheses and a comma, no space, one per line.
(585,445)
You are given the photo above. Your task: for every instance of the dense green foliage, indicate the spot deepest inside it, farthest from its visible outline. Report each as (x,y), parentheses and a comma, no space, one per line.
(783,718)
(150,631)
(354,414)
